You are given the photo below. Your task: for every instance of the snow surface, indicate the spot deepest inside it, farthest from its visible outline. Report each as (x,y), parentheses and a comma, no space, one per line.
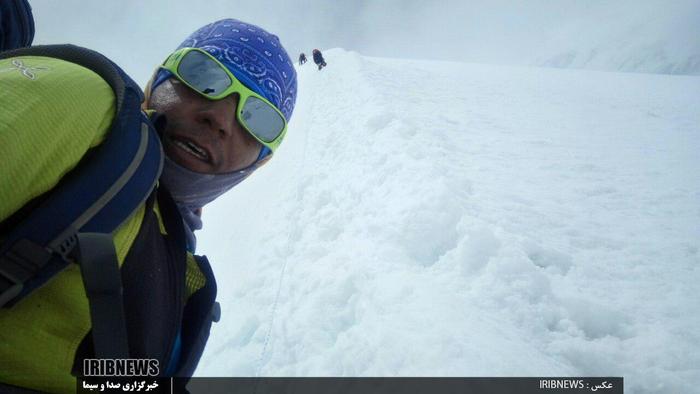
(450,219)
(653,36)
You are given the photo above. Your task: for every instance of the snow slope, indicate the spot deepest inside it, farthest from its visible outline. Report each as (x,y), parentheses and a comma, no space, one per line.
(448,219)
(652,36)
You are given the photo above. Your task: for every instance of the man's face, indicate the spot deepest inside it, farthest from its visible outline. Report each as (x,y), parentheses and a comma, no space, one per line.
(203,135)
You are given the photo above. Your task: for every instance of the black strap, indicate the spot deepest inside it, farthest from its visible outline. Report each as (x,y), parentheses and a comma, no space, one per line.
(10,389)
(103,286)
(19,264)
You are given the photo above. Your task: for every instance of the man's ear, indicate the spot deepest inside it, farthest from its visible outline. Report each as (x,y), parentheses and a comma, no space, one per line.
(158,120)
(147,91)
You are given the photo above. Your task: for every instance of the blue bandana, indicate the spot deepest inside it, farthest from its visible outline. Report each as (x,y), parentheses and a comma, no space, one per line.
(257,59)
(254,56)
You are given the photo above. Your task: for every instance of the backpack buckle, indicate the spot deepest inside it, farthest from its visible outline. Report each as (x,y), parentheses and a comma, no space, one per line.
(10,287)
(18,264)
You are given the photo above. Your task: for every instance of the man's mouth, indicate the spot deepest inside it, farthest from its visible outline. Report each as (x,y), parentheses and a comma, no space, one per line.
(191,148)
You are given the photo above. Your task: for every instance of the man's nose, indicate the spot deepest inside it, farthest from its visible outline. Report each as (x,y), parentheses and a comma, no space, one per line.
(218,119)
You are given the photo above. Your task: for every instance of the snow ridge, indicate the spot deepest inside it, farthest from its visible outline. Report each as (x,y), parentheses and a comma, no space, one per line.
(448,219)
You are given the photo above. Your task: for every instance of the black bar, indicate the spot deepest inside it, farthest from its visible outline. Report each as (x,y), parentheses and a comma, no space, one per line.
(529,385)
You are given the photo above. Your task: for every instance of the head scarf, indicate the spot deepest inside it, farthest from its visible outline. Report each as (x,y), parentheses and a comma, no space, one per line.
(257,59)
(254,56)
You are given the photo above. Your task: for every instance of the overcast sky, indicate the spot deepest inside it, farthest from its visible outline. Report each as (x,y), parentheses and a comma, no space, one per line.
(139,34)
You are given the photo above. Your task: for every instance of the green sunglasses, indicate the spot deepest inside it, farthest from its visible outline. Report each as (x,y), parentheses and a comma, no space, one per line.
(203,73)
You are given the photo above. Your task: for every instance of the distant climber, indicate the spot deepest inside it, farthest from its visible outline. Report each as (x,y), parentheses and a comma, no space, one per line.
(318,59)
(302,58)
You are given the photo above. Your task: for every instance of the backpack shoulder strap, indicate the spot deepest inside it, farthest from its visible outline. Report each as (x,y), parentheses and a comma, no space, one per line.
(96,197)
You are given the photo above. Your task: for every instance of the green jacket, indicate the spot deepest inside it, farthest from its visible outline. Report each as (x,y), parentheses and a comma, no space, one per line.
(52,113)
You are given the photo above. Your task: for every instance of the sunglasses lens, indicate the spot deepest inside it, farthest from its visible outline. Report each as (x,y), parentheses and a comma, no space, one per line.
(203,73)
(261,119)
